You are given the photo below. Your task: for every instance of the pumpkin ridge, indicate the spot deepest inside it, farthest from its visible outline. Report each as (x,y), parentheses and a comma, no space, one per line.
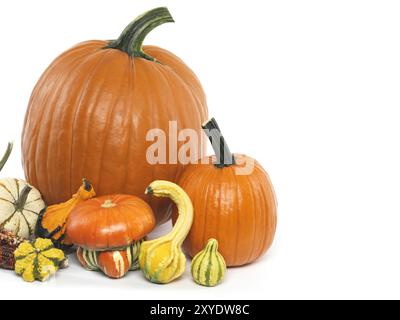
(188,88)
(256,213)
(213,174)
(167,73)
(72,78)
(27,123)
(172,102)
(88,118)
(273,221)
(131,94)
(78,106)
(176,65)
(48,102)
(172,77)
(264,190)
(264,221)
(109,123)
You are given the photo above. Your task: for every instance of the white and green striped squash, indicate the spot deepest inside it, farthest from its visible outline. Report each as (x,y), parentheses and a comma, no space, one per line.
(20,204)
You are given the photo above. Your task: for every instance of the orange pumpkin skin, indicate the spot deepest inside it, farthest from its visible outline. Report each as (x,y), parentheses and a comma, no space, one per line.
(95,226)
(89,115)
(240,211)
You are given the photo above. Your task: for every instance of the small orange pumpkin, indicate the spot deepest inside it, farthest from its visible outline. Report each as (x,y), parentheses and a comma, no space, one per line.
(108,231)
(240,211)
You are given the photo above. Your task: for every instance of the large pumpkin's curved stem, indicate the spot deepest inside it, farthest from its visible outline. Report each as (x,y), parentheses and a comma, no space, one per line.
(131,39)
(7,154)
(224,156)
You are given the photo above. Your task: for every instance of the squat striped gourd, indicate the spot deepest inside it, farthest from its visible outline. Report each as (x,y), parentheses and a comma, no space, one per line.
(208,266)
(115,264)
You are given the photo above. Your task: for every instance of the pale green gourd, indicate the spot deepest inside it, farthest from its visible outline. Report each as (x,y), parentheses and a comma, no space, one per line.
(208,266)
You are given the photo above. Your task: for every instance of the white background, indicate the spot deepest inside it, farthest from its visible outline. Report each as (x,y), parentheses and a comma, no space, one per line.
(309,88)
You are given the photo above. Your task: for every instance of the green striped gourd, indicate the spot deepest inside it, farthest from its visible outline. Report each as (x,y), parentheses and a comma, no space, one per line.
(115,264)
(208,266)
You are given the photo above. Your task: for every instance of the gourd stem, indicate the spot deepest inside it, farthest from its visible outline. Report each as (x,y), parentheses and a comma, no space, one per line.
(131,39)
(20,203)
(6,156)
(224,156)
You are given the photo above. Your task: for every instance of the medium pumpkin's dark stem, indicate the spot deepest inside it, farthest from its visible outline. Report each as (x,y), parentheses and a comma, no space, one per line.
(131,39)
(224,156)
(20,203)
(86,185)
(7,154)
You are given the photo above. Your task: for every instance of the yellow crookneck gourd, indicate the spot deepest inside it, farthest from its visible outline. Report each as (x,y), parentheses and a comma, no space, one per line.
(52,220)
(162,259)
(208,266)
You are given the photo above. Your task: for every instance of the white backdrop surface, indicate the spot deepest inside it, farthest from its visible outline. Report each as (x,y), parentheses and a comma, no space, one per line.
(308,88)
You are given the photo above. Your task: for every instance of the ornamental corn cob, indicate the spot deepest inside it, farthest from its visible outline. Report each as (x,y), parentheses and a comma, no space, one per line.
(8,244)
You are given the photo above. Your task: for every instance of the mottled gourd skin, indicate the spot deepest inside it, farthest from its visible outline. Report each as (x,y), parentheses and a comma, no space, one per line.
(162,259)
(91,111)
(208,266)
(38,260)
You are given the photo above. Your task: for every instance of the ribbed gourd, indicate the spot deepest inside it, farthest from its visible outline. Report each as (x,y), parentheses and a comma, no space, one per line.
(162,259)
(38,260)
(20,204)
(115,264)
(208,266)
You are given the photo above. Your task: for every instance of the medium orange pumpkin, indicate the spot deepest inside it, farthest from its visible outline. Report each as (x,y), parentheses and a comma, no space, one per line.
(109,222)
(109,231)
(90,112)
(240,211)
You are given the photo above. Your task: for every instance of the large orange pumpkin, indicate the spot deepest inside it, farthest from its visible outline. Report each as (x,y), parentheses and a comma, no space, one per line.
(231,204)
(90,113)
